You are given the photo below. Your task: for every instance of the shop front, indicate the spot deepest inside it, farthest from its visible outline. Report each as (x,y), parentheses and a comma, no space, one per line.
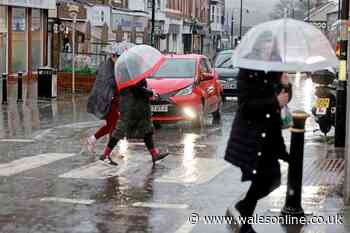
(130,26)
(23,35)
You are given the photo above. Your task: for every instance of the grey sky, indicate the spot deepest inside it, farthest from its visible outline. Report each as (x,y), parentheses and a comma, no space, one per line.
(259,10)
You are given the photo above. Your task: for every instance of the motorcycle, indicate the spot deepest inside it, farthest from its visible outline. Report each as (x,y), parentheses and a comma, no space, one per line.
(324,108)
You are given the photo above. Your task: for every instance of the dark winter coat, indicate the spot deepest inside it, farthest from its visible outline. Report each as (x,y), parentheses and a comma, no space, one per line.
(135,112)
(256,135)
(103,91)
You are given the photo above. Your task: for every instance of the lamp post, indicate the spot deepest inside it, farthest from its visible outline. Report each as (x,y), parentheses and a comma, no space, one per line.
(153,23)
(240,21)
(73,52)
(73,10)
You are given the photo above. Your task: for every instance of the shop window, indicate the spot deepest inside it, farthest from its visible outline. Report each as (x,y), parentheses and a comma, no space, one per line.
(36,39)
(3,40)
(19,43)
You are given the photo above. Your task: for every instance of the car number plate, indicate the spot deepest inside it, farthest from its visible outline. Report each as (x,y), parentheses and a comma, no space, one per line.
(322,103)
(159,108)
(231,85)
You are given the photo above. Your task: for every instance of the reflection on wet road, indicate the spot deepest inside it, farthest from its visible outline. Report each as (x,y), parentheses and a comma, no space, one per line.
(48,183)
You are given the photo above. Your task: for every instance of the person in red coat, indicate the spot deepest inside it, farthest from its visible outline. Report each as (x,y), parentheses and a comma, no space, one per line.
(103,101)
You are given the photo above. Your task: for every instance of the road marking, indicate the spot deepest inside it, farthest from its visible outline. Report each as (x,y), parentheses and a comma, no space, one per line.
(42,134)
(160,205)
(67,200)
(196,171)
(28,163)
(78,125)
(17,140)
(186,228)
(96,170)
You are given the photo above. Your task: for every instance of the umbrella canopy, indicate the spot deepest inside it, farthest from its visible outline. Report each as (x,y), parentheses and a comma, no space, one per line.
(136,64)
(285,45)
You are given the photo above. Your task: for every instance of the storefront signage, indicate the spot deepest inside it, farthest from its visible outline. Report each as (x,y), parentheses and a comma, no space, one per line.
(42,4)
(322,25)
(128,22)
(98,15)
(65,9)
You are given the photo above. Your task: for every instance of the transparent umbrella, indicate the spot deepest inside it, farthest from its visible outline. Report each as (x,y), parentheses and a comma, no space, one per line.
(285,45)
(136,64)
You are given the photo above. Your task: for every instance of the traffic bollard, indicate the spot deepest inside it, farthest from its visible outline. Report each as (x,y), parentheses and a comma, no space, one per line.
(19,87)
(293,205)
(4,88)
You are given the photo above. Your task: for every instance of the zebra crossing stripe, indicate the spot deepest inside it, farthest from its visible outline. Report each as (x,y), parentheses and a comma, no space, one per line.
(67,200)
(160,205)
(17,140)
(96,170)
(28,163)
(195,171)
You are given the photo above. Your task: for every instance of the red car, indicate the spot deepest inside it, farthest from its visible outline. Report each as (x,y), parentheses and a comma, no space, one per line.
(189,89)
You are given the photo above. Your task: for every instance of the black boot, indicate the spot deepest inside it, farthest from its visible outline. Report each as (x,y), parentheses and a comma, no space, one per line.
(247,228)
(159,156)
(110,161)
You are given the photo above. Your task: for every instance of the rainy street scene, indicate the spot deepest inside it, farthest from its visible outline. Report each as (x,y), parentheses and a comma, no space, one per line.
(167,116)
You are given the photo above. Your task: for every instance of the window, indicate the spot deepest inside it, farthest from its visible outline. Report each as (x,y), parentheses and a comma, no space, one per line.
(19,43)
(3,40)
(36,39)
(170,68)
(205,66)
(212,13)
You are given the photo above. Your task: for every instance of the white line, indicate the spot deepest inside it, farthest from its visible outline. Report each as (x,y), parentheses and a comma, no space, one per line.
(67,200)
(78,125)
(160,205)
(28,163)
(196,171)
(42,134)
(186,228)
(16,140)
(96,170)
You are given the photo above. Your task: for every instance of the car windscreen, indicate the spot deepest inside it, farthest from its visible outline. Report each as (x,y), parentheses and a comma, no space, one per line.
(177,68)
(224,60)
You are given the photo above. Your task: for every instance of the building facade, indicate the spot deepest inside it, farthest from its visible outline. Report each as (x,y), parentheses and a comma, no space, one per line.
(23,35)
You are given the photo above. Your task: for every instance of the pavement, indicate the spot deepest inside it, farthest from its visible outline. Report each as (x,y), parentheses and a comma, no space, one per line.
(50,183)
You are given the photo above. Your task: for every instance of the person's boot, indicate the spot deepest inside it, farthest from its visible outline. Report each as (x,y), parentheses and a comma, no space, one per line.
(107,155)
(247,228)
(156,155)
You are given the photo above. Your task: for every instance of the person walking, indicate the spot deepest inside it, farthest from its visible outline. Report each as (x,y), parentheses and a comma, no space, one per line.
(103,100)
(256,141)
(135,120)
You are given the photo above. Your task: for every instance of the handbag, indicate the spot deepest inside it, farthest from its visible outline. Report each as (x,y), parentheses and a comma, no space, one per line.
(286,117)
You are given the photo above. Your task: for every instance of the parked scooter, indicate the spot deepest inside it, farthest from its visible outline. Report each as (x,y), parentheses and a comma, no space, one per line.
(325,105)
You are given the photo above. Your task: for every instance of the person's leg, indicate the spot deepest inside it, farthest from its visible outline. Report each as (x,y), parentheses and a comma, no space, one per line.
(113,141)
(260,187)
(156,155)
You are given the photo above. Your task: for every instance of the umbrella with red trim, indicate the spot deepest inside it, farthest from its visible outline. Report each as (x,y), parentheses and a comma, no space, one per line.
(136,64)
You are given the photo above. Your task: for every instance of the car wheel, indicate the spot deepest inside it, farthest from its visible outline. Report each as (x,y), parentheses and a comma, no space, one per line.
(217,113)
(198,122)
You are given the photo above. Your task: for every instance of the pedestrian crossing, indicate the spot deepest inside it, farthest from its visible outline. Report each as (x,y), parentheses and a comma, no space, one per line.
(28,163)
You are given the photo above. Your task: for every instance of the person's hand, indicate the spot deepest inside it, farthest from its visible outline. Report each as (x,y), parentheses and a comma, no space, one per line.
(283,98)
(284,79)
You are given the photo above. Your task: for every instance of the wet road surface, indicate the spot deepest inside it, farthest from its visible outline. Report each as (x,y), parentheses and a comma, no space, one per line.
(49,183)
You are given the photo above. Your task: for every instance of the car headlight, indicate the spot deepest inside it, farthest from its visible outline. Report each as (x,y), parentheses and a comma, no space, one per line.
(185,91)
(189,112)
(222,81)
